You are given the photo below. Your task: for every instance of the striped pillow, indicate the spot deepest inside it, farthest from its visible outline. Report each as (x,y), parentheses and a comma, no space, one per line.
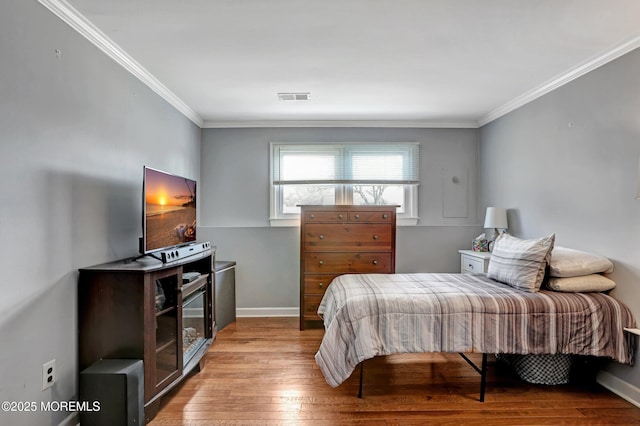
(520,263)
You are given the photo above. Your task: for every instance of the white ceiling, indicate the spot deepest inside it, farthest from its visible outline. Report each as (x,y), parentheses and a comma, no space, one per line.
(397,62)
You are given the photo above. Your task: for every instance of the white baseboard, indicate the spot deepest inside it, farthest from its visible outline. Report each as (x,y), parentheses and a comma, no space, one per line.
(618,386)
(267,312)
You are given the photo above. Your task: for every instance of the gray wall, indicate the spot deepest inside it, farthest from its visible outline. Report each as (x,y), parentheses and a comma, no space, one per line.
(235,206)
(75,131)
(568,163)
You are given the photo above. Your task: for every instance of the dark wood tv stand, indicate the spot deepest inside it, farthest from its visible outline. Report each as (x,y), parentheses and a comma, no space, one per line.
(132,309)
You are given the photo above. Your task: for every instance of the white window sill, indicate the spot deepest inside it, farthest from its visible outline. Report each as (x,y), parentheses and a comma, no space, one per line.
(407,221)
(284,222)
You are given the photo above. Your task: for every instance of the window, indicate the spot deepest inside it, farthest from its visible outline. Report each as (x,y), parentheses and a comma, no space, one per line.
(349,173)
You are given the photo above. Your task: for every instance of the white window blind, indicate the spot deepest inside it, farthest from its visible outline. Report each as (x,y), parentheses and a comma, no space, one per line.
(353,163)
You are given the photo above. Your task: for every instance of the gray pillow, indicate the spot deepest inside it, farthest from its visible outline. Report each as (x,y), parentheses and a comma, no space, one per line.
(520,263)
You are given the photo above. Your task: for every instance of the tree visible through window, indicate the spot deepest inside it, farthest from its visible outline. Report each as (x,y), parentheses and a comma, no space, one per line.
(375,194)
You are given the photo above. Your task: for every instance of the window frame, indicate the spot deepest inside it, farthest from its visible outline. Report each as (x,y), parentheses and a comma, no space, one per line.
(342,193)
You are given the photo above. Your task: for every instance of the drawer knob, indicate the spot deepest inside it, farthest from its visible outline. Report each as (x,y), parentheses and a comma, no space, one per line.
(470,266)
(375,237)
(321,262)
(321,285)
(384,216)
(357,216)
(313,216)
(340,216)
(375,262)
(321,237)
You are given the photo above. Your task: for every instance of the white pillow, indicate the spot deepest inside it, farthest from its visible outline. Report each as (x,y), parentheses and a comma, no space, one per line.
(520,263)
(583,284)
(567,262)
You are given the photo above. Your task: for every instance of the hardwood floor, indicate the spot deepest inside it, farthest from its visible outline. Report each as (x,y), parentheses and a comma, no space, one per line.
(261,371)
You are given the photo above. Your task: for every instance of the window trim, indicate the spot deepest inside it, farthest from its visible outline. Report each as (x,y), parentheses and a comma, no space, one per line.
(408,218)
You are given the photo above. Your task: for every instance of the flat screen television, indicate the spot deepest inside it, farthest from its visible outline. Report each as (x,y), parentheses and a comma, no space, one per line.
(169,211)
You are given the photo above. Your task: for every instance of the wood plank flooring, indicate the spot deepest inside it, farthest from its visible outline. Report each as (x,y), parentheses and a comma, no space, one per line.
(261,371)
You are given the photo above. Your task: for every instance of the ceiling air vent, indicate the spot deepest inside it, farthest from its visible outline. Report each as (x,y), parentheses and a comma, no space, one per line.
(294,96)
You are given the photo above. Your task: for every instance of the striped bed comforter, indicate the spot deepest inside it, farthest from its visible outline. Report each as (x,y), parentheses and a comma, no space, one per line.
(367,315)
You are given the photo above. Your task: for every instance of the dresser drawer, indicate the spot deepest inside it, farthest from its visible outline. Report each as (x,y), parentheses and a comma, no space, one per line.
(310,307)
(317,284)
(348,236)
(370,216)
(348,263)
(326,216)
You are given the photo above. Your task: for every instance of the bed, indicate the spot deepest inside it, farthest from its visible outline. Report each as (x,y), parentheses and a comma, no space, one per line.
(369,315)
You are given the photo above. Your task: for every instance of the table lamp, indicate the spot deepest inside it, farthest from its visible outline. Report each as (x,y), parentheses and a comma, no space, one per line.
(496,218)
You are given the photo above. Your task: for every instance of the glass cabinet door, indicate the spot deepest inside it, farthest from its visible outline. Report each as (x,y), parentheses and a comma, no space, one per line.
(167,359)
(194,323)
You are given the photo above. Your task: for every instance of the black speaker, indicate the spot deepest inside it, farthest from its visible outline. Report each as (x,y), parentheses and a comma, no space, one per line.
(114,389)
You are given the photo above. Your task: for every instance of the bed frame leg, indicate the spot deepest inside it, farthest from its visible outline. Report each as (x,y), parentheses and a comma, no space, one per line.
(482,371)
(483,377)
(361,374)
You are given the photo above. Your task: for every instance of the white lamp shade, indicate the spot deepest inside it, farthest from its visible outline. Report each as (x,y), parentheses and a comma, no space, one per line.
(496,217)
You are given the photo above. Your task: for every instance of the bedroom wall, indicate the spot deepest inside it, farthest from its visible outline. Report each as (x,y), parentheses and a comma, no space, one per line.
(75,131)
(568,163)
(235,207)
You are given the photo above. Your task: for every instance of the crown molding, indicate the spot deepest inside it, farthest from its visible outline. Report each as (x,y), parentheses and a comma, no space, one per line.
(340,123)
(562,79)
(82,25)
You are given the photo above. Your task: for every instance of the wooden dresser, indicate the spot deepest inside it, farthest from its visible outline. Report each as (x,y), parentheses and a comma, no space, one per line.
(336,240)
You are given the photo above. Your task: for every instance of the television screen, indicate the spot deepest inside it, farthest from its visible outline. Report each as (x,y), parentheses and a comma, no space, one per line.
(169,217)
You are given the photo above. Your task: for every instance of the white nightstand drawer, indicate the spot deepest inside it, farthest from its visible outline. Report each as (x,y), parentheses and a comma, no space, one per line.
(472,262)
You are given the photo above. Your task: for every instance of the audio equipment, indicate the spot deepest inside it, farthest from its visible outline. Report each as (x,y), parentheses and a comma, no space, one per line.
(180,252)
(114,389)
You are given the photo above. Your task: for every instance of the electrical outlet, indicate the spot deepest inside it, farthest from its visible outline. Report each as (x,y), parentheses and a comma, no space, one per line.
(48,374)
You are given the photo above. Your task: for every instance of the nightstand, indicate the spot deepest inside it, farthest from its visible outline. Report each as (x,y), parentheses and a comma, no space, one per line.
(474,261)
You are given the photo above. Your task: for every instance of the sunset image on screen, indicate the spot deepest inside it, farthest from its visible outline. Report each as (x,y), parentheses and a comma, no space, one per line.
(170,210)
